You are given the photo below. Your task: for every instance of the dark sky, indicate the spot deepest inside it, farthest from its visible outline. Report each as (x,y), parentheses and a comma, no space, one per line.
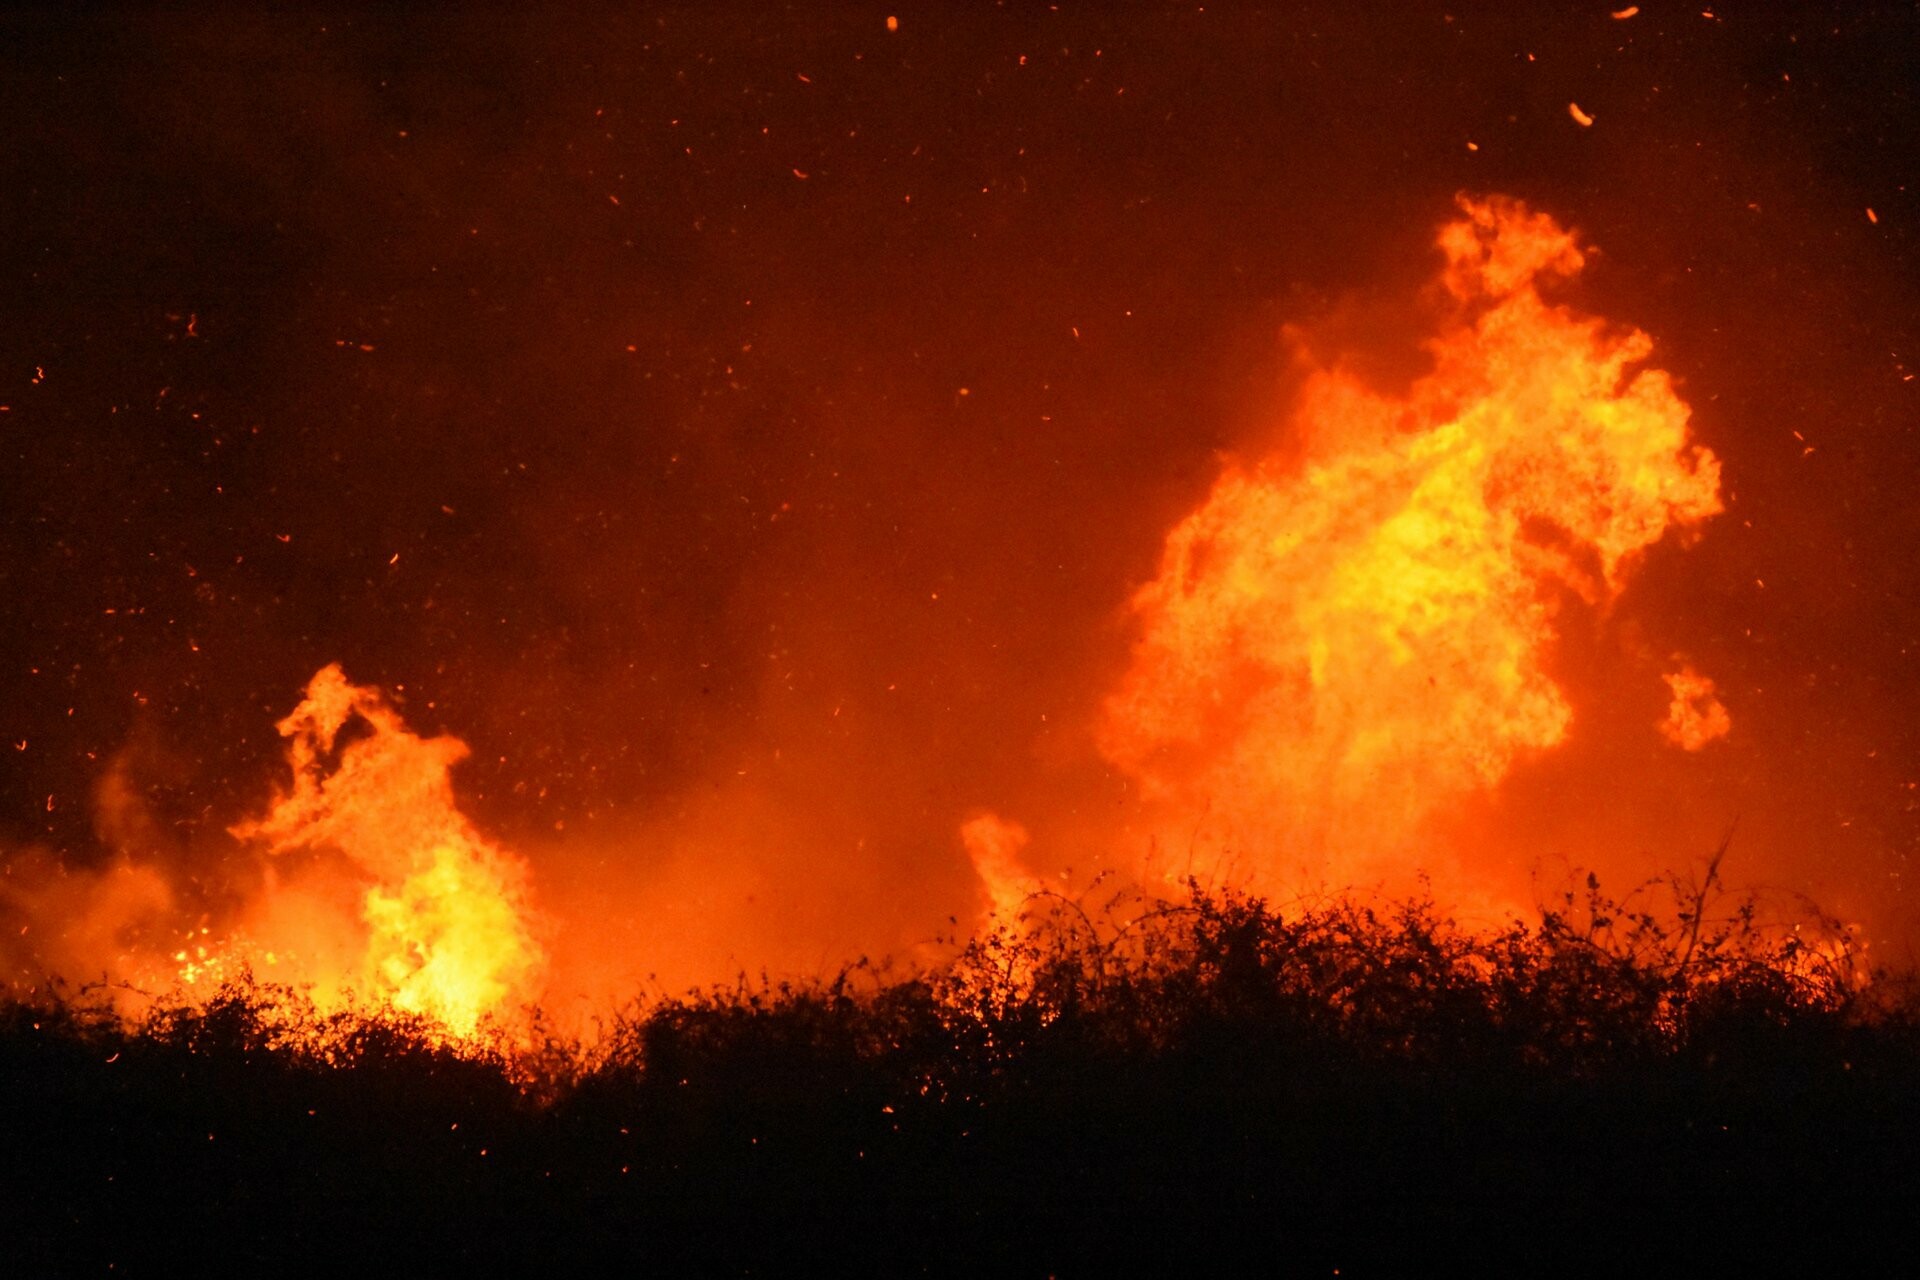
(729,409)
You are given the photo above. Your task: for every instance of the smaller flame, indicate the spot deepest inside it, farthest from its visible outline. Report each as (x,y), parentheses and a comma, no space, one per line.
(1695,717)
(449,932)
(994,845)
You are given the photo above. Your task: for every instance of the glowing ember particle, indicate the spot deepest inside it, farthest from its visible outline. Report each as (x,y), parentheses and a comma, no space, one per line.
(1695,717)
(1623,14)
(893,23)
(1872,216)
(1580,117)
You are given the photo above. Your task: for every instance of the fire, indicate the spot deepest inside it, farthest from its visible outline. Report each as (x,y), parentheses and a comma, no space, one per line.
(448,924)
(1695,717)
(1337,647)
(1342,643)
(993,846)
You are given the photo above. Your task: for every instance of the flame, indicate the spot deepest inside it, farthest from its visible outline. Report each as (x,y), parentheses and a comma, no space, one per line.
(448,925)
(994,845)
(1337,648)
(1695,717)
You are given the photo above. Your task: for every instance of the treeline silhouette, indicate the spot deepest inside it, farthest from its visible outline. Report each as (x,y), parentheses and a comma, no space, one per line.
(1160,1088)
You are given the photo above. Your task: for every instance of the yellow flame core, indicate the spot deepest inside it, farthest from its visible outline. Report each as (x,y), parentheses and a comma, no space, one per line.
(1335,648)
(449,933)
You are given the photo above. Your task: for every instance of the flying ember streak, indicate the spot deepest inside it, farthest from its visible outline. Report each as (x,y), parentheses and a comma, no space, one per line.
(1337,647)
(448,924)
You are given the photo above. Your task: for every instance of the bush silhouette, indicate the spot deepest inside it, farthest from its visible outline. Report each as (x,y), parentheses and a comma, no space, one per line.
(1077,1090)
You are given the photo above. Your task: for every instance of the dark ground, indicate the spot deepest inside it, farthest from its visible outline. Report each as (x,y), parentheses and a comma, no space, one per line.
(1329,1094)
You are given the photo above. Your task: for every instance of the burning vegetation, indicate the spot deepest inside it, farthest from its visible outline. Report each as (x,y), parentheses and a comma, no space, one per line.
(530,545)
(370,889)
(1342,641)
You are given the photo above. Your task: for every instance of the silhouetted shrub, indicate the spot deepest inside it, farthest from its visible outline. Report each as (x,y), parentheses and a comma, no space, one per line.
(1074,1087)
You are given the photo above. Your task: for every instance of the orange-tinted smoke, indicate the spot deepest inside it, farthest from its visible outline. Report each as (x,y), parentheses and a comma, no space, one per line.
(1340,645)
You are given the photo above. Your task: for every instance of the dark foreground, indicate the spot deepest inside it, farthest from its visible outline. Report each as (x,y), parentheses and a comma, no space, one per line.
(1218,1088)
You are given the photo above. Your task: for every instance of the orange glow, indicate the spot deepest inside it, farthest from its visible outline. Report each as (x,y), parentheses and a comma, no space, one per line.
(1337,648)
(447,925)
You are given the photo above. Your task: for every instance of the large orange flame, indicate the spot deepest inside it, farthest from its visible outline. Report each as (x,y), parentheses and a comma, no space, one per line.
(1337,647)
(446,913)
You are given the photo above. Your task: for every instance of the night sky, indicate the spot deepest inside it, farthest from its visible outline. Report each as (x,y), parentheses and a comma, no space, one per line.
(745,427)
